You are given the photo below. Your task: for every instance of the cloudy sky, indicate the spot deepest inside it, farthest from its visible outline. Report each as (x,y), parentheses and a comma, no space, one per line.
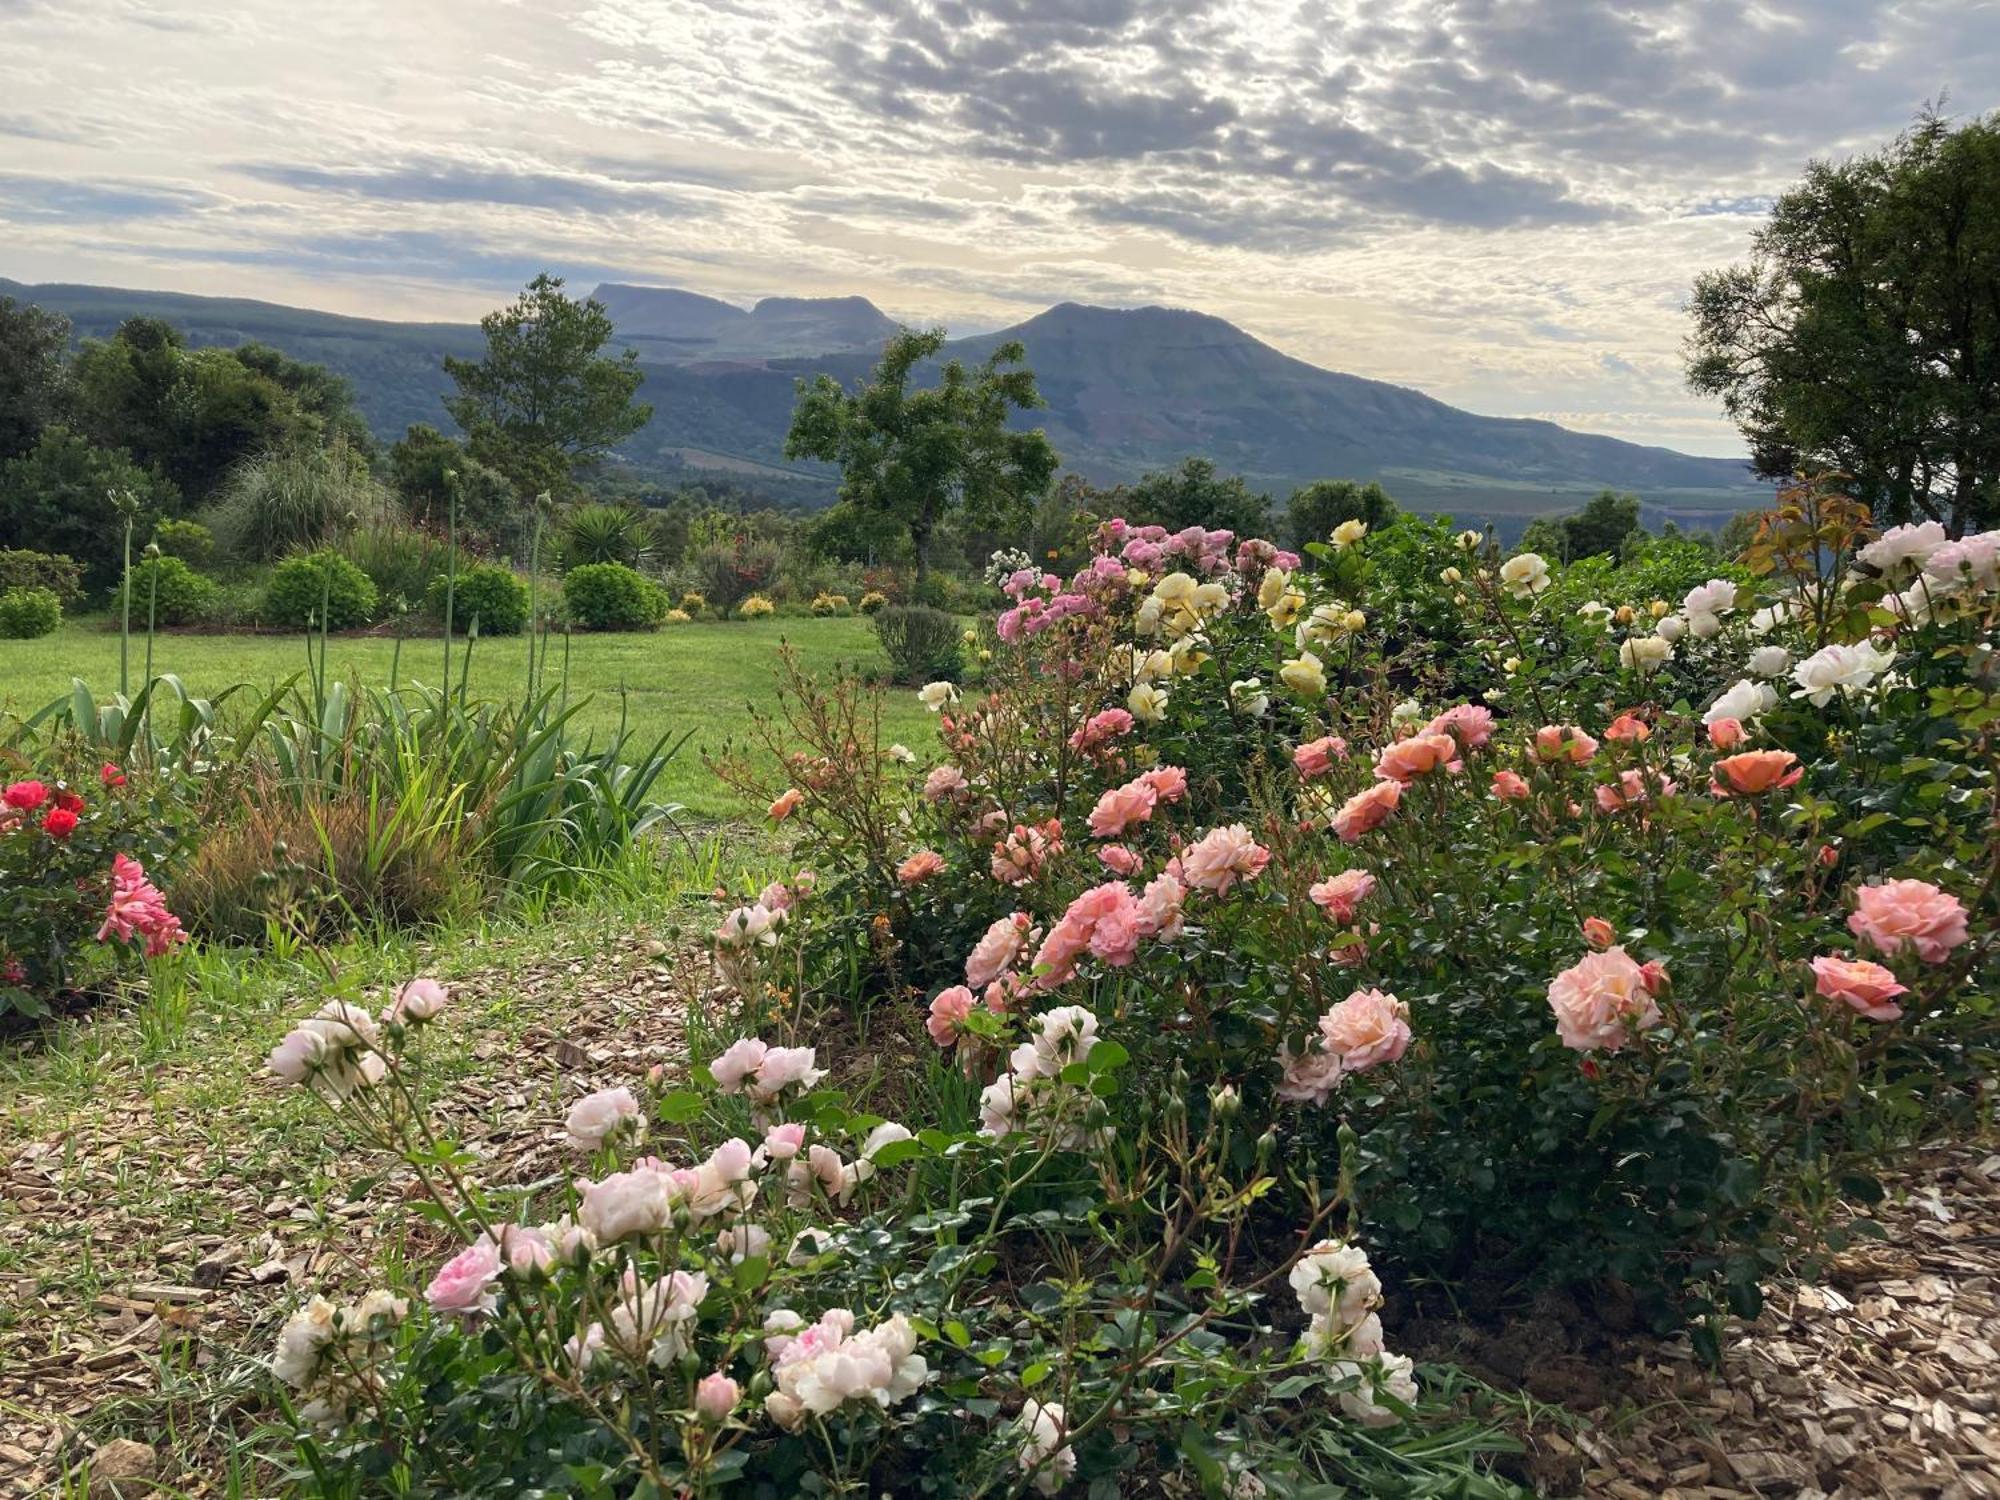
(1500,202)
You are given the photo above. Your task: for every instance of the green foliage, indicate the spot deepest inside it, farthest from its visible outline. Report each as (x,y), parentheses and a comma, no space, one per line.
(296,498)
(62,497)
(594,533)
(495,596)
(1603,528)
(399,560)
(611,596)
(922,643)
(175,593)
(320,588)
(1315,509)
(34,380)
(1863,336)
(27,614)
(545,403)
(727,573)
(21,568)
(423,466)
(913,457)
(191,541)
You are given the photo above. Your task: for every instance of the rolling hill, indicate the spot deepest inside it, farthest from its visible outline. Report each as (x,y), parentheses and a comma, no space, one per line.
(1129,390)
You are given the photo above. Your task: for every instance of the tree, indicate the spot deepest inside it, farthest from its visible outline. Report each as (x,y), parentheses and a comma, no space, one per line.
(1193,495)
(1315,509)
(915,457)
(544,403)
(1864,334)
(61,496)
(34,379)
(419,463)
(1601,529)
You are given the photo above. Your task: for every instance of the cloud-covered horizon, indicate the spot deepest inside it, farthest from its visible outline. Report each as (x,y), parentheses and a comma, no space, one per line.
(1500,202)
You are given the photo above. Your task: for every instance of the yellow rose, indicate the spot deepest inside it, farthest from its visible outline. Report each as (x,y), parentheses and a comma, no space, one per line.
(1147,703)
(1284,611)
(1303,674)
(1272,589)
(1354,620)
(1175,588)
(1347,533)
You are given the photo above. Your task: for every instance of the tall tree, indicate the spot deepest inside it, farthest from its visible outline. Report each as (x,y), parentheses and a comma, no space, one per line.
(1315,509)
(916,456)
(33,376)
(1600,529)
(545,402)
(1195,495)
(62,496)
(1864,333)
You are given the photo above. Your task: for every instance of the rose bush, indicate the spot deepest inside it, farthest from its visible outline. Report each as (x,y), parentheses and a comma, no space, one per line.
(1574,953)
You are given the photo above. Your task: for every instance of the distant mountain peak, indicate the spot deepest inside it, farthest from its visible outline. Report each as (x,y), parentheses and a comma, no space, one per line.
(671,323)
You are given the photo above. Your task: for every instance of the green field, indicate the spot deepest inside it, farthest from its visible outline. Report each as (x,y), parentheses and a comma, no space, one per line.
(699,677)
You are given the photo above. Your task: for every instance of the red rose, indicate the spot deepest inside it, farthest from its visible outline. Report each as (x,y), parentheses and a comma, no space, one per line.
(60,823)
(68,801)
(110,775)
(26,795)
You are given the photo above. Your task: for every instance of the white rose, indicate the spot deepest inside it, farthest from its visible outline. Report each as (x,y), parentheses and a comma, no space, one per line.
(1839,669)
(1671,629)
(1147,703)
(1716,597)
(1525,575)
(1385,1375)
(1642,653)
(1249,696)
(1903,549)
(596,1117)
(936,695)
(1744,701)
(1770,661)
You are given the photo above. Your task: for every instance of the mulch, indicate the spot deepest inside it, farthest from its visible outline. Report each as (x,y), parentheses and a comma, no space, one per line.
(1879,1380)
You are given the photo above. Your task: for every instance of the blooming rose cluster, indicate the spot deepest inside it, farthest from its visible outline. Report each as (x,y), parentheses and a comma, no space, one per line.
(751,1066)
(1030,1093)
(332,1353)
(1367,1029)
(1604,998)
(1109,921)
(820,1366)
(138,910)
(1339,1293)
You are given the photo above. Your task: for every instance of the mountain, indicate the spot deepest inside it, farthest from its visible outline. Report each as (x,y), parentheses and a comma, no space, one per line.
(1129,390)
(668,324)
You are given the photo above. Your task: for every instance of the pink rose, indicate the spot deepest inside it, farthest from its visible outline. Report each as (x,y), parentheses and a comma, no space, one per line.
(1601,1000)
(1317,758)
(1726,734)
(1599,933)
(1120,859)
(1908,913)
(997,950)
(1366,811)
(595,1118)
(920,867)
(783,1142)
(1162,902)
(1121,807)
(943,782)
(1469,724)
(1340,896)
(465,1282)
(1868,987)
(1419,755)
(1222,857)
(1555,742)
(419,1000)
(1309,1077)
(948,1009)
(1168,782)
(742,1059)
(715,1397)
(1509,787)
(1369,1027)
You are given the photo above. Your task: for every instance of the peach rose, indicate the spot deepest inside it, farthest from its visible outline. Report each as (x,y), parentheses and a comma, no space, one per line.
(1509,787)
(1121,807)
(1599,933)
(1867,987)
(1366,811)
(1120,859)
(1469,724)
(1340,896)
(943,782)
(1317,758)
(787,804)
(1726,734)
(1221,857)
(1367,1028)
(1416,756)
(1755,772)
(994,954)
(1169,783)
(1602,999)
(1908,913)
(1555,742)
(920,867)
(1628,727)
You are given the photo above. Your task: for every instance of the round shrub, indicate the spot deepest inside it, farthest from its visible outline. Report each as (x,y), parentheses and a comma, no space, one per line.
(611,596)
(756,607)
(189,540)
(26,614)
(61,575)
(302,585)
(693,602)
(921,643)
(871,601)
(493,595)
(678,617)
(829,604)
(174,592)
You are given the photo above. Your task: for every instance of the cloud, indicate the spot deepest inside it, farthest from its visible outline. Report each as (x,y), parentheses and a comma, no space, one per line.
(24,197)
(461,182)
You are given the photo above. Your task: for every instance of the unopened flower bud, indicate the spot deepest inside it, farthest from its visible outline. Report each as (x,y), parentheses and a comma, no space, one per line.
(1625,614)
(1451,576)
(1225,1102)
(1658,608)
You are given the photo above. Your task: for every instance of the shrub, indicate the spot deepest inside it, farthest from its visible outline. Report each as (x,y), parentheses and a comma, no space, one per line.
(873,600)
(727,573)
(28,614)
(59,574)
(73,888)
(173,591)
(611,596)
(400,561)
(693,603)
(921,643)
(678,617)
(495,596)
(62,497)
(595,533)
(303,588)
(829,604)
(756,607)
(298,497)
(190,541)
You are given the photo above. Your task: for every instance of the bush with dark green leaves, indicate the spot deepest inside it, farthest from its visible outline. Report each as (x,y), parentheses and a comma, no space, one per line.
(57,572)
(921,643)
(26,614)
(314,582)
(189,540)
(494,596)
(169,592)
(611,596)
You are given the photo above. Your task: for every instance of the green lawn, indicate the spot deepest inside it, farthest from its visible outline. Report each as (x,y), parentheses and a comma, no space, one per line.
(702,677)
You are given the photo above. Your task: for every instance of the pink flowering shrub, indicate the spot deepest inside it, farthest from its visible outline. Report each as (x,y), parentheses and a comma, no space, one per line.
(1626,930)
(76,897)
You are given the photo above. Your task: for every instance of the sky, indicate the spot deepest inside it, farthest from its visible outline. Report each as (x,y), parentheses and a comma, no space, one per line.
(1499,202)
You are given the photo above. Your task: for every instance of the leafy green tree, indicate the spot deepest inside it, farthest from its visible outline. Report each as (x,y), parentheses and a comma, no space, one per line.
(915,456)
(1863,336)
(419,463)
(34,377)
(1195,495)
(60,497)
(1601,529)
(544,403)
(1315,509)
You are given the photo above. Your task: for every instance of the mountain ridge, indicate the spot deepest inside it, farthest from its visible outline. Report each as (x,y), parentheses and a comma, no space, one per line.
(1129,390)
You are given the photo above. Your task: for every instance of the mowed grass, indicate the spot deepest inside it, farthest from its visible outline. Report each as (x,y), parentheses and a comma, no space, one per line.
(701,677)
